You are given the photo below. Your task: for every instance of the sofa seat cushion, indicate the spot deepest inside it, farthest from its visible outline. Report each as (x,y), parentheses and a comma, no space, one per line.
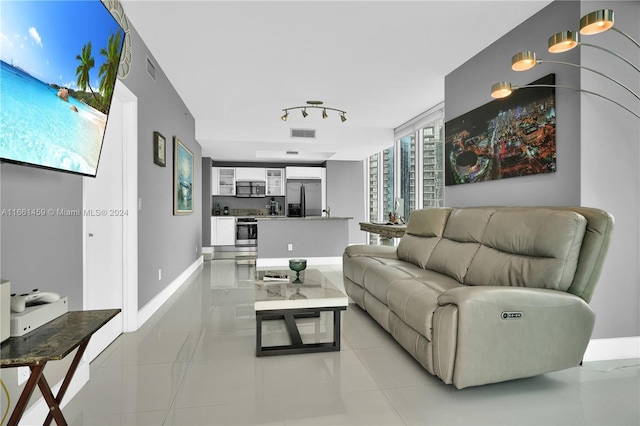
(355,267)
(378,277)
(415,300)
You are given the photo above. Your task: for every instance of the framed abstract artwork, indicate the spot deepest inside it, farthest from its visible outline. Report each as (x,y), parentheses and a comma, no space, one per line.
(182,178)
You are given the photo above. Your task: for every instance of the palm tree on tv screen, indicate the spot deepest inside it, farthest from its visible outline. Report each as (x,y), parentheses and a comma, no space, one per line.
(109,69)
(86,64)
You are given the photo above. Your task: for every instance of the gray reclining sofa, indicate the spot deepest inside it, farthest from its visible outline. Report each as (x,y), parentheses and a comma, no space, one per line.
(484,295)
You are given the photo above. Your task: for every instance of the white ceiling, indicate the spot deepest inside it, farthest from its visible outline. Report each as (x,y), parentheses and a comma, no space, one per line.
(237,64)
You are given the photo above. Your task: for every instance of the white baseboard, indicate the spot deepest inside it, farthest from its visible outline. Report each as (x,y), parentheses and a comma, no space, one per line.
(36,414)
(311,261)
(613,348)
(156,303)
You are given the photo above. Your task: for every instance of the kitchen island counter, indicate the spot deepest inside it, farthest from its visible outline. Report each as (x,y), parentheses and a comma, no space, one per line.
(302,218)
(319,239)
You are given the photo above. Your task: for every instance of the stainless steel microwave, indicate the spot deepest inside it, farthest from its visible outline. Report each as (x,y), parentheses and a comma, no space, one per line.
(250,188)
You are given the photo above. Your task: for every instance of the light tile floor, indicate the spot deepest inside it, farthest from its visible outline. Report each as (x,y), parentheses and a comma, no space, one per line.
(193,363)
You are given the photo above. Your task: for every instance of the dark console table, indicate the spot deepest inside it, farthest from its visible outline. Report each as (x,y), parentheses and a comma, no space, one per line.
(51,342)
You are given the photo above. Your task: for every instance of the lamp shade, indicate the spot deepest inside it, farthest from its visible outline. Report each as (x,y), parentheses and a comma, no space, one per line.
(596,22)
(523,61)
(563,41)
(501,90)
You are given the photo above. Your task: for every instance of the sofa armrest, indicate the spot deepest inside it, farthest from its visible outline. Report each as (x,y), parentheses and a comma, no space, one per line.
(505,333)
(387,252)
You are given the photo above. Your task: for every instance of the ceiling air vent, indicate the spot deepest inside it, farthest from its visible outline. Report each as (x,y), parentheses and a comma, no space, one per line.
(151,69)
(303,133)
(292,152)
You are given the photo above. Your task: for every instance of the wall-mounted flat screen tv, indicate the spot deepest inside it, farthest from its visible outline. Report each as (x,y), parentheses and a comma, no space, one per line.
(59,64)
(510,137)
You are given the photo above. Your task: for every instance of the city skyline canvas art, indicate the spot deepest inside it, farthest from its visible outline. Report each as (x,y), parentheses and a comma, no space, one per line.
(510,137)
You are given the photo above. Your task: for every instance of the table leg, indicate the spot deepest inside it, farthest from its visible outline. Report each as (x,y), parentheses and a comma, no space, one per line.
(336,329)
(292,329)
(29,387)
(258,334)
(54,407)
(67,381)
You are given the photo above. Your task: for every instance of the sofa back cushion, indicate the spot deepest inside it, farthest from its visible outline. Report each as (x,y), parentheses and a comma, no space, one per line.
(424,230)
(528,247)
(460,242)
(595,245)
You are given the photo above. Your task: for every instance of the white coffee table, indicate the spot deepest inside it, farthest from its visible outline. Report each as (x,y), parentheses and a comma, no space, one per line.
(277,300)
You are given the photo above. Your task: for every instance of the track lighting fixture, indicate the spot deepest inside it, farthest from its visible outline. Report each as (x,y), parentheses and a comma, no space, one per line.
(315,104)
(592,23)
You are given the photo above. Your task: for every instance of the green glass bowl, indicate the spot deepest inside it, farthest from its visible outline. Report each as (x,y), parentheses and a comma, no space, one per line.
(297,265)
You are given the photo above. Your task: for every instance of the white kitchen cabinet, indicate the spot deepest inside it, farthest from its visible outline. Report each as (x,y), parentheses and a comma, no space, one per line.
(223,231)
(296,172)
(250,173)
(275,182)
(223,181)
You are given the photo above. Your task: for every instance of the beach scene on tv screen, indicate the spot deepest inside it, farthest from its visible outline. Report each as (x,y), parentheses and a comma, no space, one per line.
(58,66)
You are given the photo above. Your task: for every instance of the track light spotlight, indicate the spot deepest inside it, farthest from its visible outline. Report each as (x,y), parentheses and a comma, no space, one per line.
(314,104)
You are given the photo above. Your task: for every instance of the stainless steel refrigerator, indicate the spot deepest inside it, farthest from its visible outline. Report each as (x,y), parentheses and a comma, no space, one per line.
(307,193)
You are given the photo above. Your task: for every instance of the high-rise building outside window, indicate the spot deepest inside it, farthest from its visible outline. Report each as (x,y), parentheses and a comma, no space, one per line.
(407,176)
(374,200)
(388,179)
(433,164)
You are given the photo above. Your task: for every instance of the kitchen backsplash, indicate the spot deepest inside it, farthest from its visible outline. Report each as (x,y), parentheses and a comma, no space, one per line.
(245,206)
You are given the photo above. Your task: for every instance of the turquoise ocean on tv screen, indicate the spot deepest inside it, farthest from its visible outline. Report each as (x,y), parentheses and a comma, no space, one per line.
(38,127)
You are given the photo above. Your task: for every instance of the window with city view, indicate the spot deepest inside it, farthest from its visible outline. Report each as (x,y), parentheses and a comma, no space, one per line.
(407,175)
(432,164)
(387,182)
(410,174)
(373,195)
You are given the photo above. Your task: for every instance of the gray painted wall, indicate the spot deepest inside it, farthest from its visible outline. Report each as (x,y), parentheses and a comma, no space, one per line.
(468,87)
(167,242)
(206,201)
(597,143)
(610,153)
(345,181)
(43,252)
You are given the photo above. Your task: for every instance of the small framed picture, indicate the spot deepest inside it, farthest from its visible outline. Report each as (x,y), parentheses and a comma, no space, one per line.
(159,149)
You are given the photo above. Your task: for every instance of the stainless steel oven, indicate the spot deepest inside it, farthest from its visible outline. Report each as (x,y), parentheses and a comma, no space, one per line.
(246,232)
